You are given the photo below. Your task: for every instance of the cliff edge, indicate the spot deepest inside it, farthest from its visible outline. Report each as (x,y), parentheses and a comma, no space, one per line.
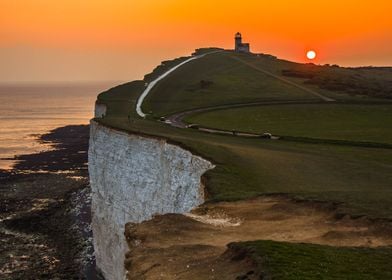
(134,178)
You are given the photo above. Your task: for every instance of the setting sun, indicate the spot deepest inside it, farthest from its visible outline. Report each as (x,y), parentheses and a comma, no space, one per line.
(311,55)
(129,127)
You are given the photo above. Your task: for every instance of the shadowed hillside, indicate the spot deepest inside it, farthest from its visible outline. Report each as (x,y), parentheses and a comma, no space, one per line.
(369,81)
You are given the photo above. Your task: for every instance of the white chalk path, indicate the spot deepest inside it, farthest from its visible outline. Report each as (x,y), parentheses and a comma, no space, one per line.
(164,75)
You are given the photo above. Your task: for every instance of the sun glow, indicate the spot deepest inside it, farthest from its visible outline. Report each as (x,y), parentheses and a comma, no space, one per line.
(311,55)
(87,37)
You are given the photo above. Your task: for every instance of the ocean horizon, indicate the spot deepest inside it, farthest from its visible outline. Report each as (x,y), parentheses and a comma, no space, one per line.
(28,110)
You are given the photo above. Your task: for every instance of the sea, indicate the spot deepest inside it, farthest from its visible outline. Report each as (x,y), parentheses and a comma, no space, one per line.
(30,110)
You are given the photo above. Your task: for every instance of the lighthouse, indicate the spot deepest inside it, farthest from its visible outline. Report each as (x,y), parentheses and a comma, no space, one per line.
(239,46)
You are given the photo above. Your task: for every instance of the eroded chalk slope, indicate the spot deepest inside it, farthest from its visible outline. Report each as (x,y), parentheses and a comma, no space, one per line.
(133,178)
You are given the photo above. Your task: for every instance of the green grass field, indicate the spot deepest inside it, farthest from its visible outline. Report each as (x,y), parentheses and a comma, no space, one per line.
(288,261)
(225,78)
(351,122)
(359,178)
(121,100)
(226,81)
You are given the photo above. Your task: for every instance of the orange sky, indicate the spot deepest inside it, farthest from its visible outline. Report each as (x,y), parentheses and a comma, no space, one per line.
(122,40)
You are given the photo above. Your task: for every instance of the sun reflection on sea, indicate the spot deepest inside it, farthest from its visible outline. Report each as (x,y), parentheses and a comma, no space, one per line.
(28,111)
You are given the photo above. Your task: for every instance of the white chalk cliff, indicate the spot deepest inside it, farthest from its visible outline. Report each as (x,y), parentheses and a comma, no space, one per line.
(133,178)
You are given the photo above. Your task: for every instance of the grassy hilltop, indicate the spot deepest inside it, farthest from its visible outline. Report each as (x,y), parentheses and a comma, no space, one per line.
(336,143)
(347,122)
(318,169)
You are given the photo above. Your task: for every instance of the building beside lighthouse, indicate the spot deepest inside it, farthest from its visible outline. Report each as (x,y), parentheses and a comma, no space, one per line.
(239,46)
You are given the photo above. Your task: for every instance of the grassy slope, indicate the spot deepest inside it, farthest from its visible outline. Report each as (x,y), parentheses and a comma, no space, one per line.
(336,82)
(359,177)
(356,122)
(232,82)
(370,81)
(121,100)
(287,261)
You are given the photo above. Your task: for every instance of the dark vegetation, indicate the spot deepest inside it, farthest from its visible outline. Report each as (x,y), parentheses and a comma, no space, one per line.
(370,81)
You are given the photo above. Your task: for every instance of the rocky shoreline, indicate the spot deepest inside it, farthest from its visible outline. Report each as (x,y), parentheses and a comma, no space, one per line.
(45,216)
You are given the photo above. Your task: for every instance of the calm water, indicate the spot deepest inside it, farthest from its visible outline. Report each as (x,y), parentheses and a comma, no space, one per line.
(27,111)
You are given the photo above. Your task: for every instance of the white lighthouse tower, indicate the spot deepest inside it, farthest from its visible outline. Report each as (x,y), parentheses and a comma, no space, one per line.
(239,46)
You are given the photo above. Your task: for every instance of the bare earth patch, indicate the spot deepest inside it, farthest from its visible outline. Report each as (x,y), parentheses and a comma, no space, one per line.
(194,246)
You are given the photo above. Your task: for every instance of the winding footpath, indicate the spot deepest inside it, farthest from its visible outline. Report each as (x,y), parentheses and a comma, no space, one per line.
(152,84)
(176,120)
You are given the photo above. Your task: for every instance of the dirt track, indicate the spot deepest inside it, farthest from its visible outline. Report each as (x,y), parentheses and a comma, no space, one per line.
(193,247)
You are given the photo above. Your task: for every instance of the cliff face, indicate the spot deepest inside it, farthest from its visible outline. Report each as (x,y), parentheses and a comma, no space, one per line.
(133,178)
